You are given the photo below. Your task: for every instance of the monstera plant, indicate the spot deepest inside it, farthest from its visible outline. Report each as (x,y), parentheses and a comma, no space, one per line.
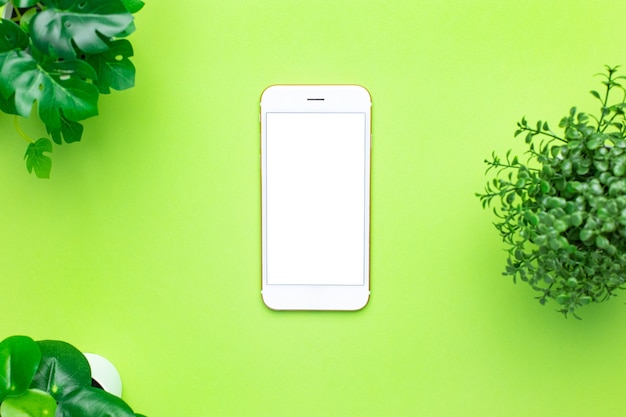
(56,58)
(51,378)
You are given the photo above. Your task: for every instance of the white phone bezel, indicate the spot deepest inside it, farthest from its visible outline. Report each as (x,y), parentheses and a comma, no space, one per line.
(322,99)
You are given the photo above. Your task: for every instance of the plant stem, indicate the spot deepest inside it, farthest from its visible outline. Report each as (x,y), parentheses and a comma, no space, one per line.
(21,132)
(541,132)
(606,100)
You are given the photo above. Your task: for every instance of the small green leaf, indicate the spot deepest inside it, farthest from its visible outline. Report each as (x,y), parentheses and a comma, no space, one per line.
(555,202)
(560,225)
(563,298)
(586,234)
(595,94)
(36,160)
(576,219)
(601,165)
(531,217)
(602,242)
(619,167)
(595,141)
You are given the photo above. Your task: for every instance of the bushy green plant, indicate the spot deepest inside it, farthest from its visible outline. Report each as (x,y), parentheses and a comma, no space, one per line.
(58,56)
(51,379)
(561,211)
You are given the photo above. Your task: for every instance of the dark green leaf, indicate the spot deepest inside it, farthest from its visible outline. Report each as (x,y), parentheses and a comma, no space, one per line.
(11,37)
(8,105)
(57,87)
(563,299)
(80,23)
(602,242)
(619,167)
(33,403)
(576,219)
(586,234)
(93,402)
(531,218)
(63,369)
(36,160)
(133,6)
(595,94)
(69,131)
(594,141)
(113,68)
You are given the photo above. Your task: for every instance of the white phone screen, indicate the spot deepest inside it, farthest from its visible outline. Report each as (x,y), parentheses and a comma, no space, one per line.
(316,198)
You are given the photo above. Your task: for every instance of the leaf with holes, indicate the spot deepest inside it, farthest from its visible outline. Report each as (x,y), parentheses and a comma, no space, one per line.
(12,36)
(56,87)
(113,67)
(67,25)
(12,39)
(36,160)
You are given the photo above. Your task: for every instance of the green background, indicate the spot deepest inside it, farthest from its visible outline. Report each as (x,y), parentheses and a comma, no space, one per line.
(144,246)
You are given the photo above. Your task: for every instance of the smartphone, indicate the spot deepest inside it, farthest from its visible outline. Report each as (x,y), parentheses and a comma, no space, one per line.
(315,186)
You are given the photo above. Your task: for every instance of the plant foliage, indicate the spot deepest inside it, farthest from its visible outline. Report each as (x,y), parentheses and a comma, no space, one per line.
(562,211)
(58,56)
(51,378)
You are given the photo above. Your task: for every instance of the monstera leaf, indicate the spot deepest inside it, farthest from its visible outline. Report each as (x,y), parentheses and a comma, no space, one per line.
(59,57)
(13,40)
(56,86)
(12,37)
(69,131)
(83,23)
(36,160)
(113,67)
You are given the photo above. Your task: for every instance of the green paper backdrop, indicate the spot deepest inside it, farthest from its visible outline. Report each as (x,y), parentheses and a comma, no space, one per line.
(144,246)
